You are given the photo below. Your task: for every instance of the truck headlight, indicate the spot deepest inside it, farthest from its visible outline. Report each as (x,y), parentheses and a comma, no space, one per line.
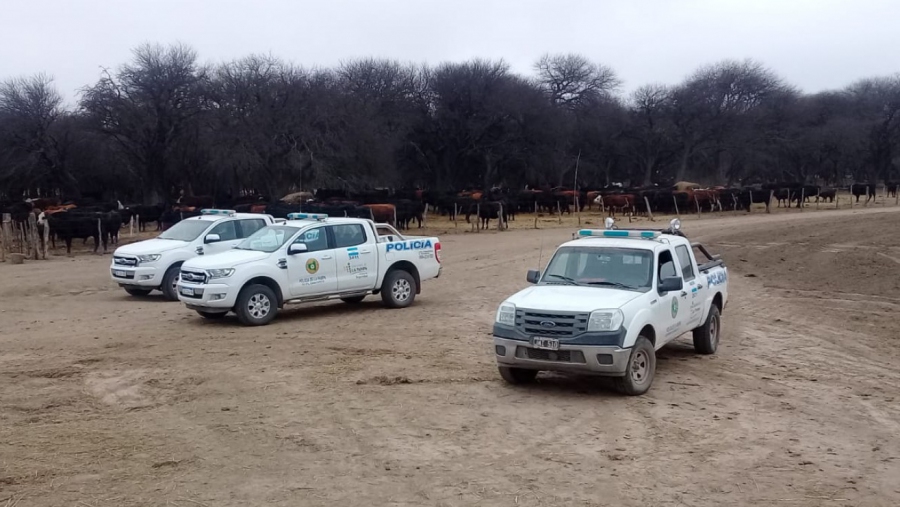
(605,320)
(148,258)
(506,314)
(220,273)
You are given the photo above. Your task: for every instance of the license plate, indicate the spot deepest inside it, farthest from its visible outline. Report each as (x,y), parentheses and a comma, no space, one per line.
(187,291)
(120,274)
(545,343)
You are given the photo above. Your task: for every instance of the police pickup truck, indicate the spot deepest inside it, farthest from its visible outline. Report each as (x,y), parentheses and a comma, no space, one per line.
(607,301)
(154,264)
(310,257)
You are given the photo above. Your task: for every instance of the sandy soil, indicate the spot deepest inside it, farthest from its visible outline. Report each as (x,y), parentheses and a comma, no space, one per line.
(111,400)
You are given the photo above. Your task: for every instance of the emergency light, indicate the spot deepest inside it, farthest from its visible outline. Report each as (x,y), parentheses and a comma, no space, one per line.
(307,216)
(226,212)
(618,233)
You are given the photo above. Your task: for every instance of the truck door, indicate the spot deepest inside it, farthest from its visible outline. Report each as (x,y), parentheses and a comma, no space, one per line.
(671,310)
(356,256)
(696,292)
(313,272)
(229,237)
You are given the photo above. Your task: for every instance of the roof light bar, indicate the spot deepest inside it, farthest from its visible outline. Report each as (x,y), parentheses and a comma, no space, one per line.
(307,216)
(618,233)
(226,212)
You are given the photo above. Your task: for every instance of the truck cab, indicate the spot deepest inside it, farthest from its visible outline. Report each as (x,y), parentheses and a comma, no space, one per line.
(606,302)
(310,257)
(154,264)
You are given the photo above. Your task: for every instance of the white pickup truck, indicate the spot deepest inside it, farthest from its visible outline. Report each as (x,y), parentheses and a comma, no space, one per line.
(154,264)
(310,257)
(605,304)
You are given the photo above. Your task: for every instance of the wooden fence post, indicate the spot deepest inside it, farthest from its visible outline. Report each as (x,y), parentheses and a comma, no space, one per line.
(32,236)
(649,212)
(677,213)
(46,238)
(500,217)
(578,210)
(698,205)
(851,196)
(769,206)
(559,211)
(802,197)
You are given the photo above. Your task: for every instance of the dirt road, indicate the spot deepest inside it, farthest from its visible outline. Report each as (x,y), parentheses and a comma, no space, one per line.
(111,400)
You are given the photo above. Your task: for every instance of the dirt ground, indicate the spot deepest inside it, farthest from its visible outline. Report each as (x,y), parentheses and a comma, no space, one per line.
(111,400)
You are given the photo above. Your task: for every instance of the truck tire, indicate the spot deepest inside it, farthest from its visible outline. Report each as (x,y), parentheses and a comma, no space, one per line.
(138,292)
(706,337)
(256,305)
(398,289)
(353,300)
(641,369)
(168,283)
(212,315)
(517,375)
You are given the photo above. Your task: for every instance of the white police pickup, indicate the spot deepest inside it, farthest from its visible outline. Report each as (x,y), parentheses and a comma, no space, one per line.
(605,304)
(310,257)
(154,264)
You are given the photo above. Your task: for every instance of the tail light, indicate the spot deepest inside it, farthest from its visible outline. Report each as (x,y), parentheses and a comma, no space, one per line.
(437,251)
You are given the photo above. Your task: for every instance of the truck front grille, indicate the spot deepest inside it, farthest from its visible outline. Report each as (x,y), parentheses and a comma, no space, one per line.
(125,261)
(556,325)
(193,277)
(562,356)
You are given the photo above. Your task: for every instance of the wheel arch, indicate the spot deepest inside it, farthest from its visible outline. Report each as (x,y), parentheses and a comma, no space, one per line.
(268,282)
(410,268)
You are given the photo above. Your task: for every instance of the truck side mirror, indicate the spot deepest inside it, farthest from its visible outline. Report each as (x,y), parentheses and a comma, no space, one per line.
(671,284)
(212,238)
(297,248)
(533,276)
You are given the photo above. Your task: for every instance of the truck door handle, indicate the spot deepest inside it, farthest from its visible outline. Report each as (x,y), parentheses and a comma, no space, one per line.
(699,286)
(326,257)
(365,251)
(683,293)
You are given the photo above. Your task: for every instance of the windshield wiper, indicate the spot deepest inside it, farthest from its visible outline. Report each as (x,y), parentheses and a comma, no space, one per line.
(613,284)
(565,278)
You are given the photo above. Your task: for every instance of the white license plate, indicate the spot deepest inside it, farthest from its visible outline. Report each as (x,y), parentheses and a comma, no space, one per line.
(121,274)
(187,291)
(545,343)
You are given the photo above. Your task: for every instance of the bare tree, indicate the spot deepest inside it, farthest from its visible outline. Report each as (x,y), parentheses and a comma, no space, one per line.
(571,80)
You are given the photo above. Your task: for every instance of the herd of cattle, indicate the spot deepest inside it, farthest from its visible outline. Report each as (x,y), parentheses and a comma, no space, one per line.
(101,221)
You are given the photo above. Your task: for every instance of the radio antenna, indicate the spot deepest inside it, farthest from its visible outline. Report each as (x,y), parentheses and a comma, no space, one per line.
(541,253)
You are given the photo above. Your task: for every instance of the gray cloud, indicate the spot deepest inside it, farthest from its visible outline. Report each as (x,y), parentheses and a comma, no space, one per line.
(813,44)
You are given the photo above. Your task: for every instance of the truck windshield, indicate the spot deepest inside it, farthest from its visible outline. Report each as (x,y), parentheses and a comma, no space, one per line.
(186,230)
(268,239)
(623,268)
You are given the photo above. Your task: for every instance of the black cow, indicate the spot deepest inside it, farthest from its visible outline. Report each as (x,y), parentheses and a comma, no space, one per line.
(891,188)
(69,225)
(866,189)
(487,211)
(826,194)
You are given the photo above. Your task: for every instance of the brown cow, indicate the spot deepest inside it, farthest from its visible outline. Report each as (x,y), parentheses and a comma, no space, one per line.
(621,202)
(385,213)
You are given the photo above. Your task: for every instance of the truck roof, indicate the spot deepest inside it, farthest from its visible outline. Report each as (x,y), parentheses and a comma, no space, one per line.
(653,243)
(329,221)
(213,218)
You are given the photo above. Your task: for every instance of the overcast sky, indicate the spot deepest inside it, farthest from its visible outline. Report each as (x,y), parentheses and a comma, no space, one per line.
(813,44)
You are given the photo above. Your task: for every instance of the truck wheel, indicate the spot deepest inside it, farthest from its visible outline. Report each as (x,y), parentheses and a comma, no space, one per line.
(212,315)
(168,283)
(517,375)
(137,292)
(398,289)
(353,300)
(641,369)
(256,305)
(706,337)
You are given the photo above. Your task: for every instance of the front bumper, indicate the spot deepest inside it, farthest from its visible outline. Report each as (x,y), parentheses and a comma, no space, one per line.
(140,276)
(200,297)
(603,360)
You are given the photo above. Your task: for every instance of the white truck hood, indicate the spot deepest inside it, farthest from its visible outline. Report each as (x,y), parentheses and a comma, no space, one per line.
(570,298)
(149,246)
(227,259)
